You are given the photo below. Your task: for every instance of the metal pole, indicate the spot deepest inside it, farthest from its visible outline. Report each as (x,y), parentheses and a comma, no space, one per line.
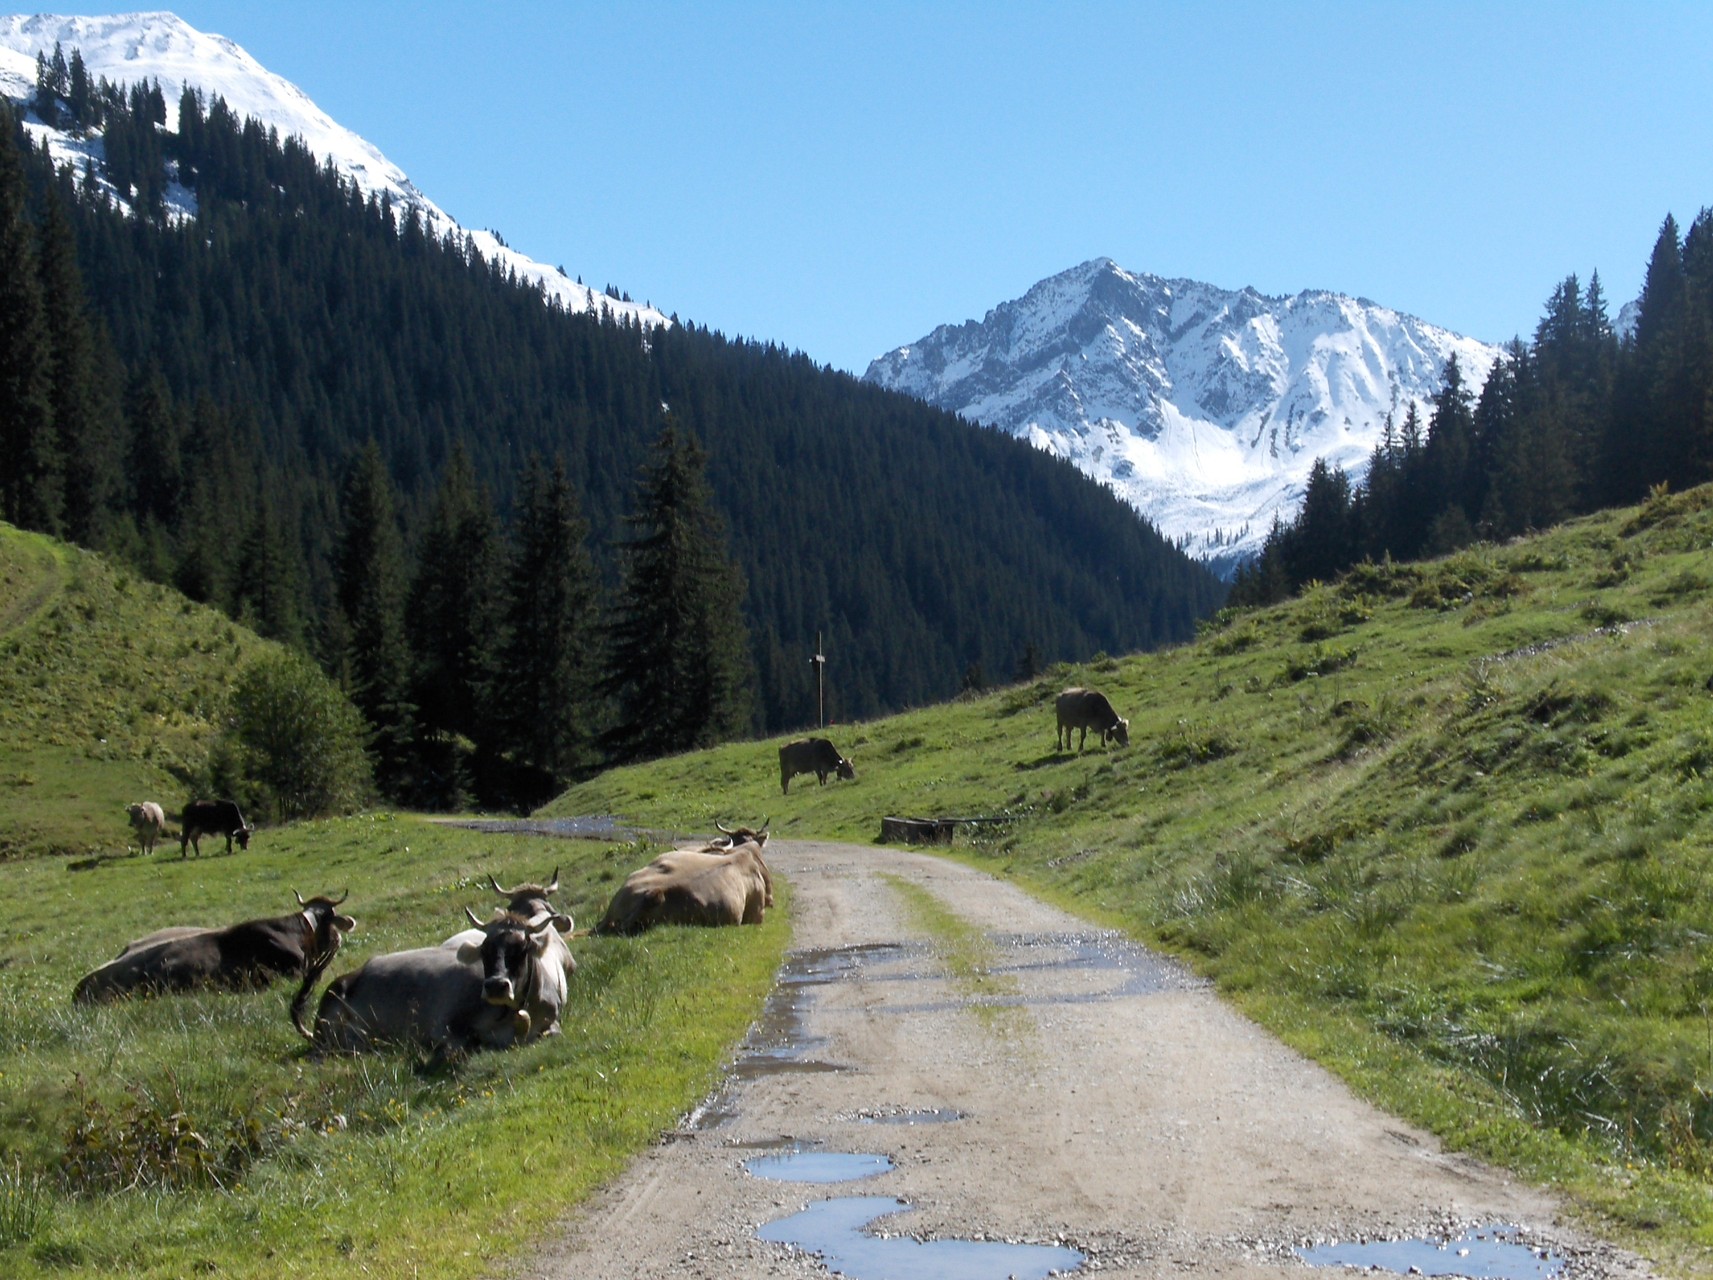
(820,663)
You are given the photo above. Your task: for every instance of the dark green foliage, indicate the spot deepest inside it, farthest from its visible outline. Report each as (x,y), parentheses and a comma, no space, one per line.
(300,741)
(679,643)
(31,478)
(545,683)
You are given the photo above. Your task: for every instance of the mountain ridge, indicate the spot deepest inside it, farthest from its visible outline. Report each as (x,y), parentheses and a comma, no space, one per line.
(1203,407)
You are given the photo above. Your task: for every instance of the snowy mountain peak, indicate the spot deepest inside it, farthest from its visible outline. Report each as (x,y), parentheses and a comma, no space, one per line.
(1203,407)
(136,48)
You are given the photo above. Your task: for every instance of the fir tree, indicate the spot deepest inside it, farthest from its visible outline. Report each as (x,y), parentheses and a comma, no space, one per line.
(679,660)
(31,478)
(546,680)
(370,578)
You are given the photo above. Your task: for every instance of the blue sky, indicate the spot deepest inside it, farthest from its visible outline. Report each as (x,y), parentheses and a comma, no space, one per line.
(840,178)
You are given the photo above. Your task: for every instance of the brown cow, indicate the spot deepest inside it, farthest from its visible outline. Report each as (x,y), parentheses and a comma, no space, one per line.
(723,882)
(243,956)
(1087,709)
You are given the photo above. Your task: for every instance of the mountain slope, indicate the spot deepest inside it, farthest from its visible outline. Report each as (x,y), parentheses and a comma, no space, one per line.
(136,48)
(1203,407)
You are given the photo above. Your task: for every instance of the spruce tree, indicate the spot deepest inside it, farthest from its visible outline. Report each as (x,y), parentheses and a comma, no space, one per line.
(371,589)
(31,478)
(547,676)
(679,661)
(453,610)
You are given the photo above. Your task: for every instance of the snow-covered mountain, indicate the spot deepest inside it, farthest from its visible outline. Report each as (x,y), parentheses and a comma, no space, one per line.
(1203,407)
(137,48)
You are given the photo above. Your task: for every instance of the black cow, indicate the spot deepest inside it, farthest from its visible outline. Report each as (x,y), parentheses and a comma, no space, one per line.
(811,755)
(245,956)
(212,818)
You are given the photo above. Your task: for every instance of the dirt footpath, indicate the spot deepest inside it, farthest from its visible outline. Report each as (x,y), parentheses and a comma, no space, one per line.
(1105,1101)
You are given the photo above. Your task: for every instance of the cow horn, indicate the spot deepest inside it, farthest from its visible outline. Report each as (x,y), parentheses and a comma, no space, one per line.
(495,886)
(473,918)
(553,884)
(299,897)
(722,826)
(764,823)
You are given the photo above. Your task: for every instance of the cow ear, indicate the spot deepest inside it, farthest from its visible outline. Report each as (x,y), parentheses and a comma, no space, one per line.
(564,923)
(345,924)
(470,952)
(538,941)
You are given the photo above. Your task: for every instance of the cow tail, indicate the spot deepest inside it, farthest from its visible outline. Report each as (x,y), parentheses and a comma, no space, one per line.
(300,1002)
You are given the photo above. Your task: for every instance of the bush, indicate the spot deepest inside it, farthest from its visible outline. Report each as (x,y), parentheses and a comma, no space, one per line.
(299,739)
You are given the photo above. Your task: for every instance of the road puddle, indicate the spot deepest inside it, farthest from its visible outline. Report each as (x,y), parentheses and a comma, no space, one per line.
(911,1115)
(1489,1253)
(834,1230)
(819,1166)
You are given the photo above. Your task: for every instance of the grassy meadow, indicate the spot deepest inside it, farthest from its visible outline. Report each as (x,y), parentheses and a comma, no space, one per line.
(1446,827)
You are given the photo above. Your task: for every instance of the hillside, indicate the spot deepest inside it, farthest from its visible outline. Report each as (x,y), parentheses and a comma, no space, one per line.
(1445,826)
(110,692)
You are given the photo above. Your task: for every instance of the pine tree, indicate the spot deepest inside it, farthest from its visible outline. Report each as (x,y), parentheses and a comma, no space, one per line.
(31,477)
(679,661)
(547,677)
(370,579)
(453,612)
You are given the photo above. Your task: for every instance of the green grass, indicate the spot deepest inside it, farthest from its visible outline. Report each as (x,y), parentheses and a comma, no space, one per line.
(111,691)
(1447,827)
(193,1134)
(968,955)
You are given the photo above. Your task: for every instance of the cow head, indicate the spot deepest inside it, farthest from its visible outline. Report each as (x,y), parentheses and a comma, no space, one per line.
(744,835)
(242,836)
(530,900)
(847,770)
(510,945)
(1120,732)
(327,926)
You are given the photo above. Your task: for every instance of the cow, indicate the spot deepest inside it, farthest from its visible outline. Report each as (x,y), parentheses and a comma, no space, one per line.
(240,957)
(811,755)
(212,818)
(1085,709)
(492,994)
(529,902)
(148,820)
(723,882)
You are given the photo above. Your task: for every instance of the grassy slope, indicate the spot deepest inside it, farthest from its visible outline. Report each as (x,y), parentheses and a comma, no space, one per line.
(109,689)
(1449,828)
(180,1136)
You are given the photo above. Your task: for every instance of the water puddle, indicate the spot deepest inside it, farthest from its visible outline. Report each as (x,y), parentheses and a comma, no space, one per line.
(911,1115)
(819,1166)
(599,826)
(778,1043)
(1489,1253)
(833,1229)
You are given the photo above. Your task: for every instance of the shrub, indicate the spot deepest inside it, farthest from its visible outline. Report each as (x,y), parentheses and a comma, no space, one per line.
(299,739)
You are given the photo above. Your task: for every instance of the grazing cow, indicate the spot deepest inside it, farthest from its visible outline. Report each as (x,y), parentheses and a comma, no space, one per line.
(449,1002)
(1086,709)
(212,818)
(148,820)
(245,956)
(723,882)
(811,755)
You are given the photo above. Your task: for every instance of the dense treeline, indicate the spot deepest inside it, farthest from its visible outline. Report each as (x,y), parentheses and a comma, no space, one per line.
(295,403)
(1577,420)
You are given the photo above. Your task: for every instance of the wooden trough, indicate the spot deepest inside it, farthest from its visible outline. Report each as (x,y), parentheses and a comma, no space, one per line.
(926,830)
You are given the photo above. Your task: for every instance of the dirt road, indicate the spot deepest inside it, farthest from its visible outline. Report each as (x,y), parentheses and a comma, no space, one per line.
(1104,1101)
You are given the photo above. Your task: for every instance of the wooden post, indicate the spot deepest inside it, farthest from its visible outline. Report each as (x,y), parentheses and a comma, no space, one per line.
(820,664)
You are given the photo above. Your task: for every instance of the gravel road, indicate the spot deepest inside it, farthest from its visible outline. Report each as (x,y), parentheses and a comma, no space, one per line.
(1105,1101)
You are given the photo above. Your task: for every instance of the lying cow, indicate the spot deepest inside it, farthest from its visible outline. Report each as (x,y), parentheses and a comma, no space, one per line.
(529,902)
(1085,709)
(245,956)
(487,995)
(148,820)
(212,818)
(811,755)
(723,882)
